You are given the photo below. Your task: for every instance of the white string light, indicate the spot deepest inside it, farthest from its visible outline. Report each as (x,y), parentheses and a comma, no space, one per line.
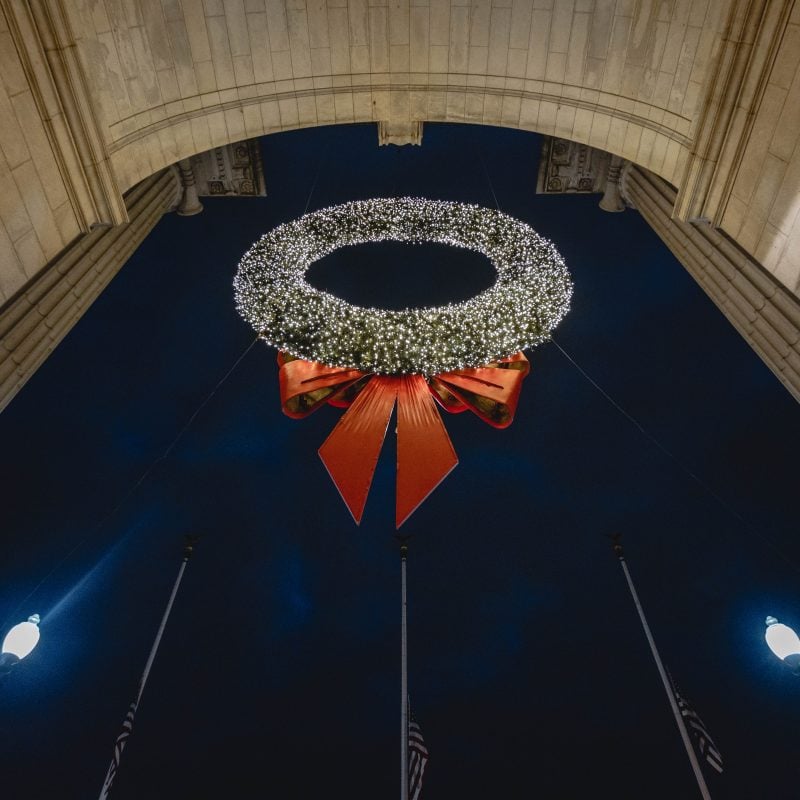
(528,299)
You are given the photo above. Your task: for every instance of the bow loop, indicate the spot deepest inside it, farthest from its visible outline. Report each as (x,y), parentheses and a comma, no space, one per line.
(490,392)
(306,385)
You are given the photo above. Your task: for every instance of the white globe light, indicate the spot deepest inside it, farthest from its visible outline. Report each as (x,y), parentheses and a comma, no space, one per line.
(22,638)
(782,640)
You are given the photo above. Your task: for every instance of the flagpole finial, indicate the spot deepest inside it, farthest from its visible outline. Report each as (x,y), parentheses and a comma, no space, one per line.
(403,540)
(616,544)
(189,541)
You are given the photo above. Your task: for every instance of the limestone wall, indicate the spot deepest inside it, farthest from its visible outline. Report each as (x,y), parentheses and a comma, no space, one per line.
(763,211)
(57,179)
(37,219)
(174,78)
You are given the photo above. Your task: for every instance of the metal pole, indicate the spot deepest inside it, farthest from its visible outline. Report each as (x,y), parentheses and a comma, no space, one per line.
(127,725)
(698,774)
(403,678)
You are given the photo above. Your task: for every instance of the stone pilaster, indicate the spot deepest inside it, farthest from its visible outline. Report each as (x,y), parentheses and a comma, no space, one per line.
(734,91)
(39,316)
(612,199)
(47,49)
(764,312)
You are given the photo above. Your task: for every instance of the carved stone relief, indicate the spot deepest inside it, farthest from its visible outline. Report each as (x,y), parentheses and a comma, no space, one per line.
(567,167)
(235,170)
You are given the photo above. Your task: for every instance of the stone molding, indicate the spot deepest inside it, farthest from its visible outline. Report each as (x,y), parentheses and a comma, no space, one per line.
(764,312)
(734,91)
(645,116)
(435,101)
(43,312)
(46,47)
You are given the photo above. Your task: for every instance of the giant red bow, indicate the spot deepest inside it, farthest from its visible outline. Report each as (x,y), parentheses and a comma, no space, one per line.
(425,454)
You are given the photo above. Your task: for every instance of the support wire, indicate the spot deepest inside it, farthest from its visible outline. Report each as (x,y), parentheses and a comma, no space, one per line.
(649,436)
(143,477)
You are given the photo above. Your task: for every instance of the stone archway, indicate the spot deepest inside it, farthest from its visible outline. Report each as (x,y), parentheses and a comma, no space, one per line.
(101,97)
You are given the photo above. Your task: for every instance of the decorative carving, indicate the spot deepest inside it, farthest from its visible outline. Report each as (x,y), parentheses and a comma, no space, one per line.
(235,170)
(400,133)
(567,167)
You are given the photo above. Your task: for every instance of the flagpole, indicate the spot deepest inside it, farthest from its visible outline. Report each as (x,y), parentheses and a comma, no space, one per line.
(127,725)
(701,783)
(403,675)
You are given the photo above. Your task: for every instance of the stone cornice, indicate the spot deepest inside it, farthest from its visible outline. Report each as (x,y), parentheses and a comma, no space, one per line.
(49,57)
(451,83)
(764,312)
(44,311)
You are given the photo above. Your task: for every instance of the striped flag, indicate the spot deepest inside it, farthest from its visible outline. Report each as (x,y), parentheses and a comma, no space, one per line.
(119,746)
(705,744)
(417,758)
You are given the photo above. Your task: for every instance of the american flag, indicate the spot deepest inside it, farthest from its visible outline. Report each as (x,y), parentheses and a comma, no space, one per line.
(705,744)
(417,758)
(119,745)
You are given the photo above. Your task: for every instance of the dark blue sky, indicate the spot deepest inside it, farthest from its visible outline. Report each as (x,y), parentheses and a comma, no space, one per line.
(279,672)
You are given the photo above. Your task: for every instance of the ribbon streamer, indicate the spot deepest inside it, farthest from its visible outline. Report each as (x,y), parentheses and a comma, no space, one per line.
(425,454)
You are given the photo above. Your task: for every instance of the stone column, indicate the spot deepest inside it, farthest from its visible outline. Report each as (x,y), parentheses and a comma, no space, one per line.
(41,314)
(764,312)
(190,203)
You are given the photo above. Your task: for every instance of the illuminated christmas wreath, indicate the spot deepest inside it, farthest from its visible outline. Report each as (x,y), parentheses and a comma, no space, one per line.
(529,298)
